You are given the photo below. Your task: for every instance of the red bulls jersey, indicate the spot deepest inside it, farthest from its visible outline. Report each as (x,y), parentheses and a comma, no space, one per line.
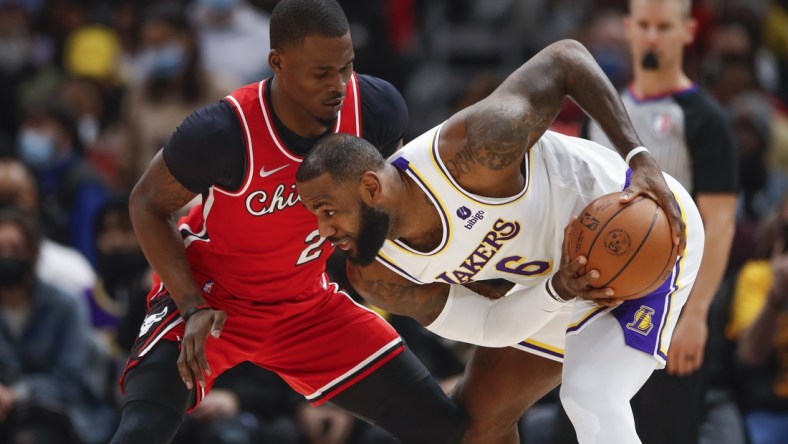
(259,242)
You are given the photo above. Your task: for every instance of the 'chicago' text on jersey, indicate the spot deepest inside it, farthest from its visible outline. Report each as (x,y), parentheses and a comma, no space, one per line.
(259,204)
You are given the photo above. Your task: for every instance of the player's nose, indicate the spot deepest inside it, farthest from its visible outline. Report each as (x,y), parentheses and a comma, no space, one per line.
(337,83)
(325,229)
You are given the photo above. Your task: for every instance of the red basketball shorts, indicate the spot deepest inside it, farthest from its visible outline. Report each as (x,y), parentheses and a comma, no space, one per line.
(320,342)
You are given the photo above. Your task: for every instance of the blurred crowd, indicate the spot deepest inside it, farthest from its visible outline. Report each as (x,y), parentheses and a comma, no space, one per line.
(92,89)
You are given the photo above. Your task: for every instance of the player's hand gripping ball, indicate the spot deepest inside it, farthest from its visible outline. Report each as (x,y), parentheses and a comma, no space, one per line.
(629,244)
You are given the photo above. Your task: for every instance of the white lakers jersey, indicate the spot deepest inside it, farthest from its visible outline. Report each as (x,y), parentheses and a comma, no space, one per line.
(517,238)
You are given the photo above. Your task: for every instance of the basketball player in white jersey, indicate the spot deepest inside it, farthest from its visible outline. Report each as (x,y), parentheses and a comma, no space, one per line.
(490,194)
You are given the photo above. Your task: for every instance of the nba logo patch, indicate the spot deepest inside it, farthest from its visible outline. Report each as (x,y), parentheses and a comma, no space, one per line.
(661,123)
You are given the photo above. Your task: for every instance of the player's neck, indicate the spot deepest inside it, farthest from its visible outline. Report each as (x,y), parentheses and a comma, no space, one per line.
(293,116)
(656,83)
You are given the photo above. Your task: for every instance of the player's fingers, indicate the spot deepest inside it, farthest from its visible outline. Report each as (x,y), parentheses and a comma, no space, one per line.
(588,279)
(609,302)
(202,361)
(684,363)
(194,366)
(692,361)
(627,195)
(679,233)
(602,296)
(218,323)
(567,235)
(183,368)
(683,368)
(577,266)
(634,190)
(677,226)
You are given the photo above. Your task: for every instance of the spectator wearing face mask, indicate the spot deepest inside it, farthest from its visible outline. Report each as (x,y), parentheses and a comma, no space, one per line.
(44,341)
(71,192)
(123,271)
(168,84)
(58,265)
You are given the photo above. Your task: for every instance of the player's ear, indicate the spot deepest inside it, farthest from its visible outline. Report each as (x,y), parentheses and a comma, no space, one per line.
(275,60)
(691,30)
(370,188)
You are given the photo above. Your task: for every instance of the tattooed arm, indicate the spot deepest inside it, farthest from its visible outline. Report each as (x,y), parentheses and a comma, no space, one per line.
(397,295)
(495,133)
(460,312)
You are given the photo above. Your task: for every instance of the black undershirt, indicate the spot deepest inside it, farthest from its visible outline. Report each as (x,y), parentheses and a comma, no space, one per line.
(208,147)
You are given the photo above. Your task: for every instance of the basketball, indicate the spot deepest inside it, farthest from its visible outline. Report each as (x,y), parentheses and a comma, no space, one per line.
(630,245)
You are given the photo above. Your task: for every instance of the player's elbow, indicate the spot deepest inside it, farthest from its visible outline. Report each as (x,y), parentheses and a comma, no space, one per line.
(570,49)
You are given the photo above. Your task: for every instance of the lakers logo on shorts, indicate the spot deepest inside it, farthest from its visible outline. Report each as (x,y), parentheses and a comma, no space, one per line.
(642,323)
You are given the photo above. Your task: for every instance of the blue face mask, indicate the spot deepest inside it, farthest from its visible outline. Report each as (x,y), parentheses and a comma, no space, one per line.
(218,6)
(166,62)
(36,149)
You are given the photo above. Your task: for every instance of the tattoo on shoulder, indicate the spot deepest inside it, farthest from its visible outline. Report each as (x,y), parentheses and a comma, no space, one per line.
(499,135)
(460,163)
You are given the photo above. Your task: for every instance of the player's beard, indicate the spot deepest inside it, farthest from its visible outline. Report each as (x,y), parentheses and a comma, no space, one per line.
(372,232)
(650,61)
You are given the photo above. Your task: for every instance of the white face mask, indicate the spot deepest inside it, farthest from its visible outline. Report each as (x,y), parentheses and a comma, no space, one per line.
(88,128)
(36,149)
(166,62)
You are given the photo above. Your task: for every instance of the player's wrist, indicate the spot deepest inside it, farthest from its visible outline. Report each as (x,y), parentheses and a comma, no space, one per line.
(193,310)
(635,152)
(555,293)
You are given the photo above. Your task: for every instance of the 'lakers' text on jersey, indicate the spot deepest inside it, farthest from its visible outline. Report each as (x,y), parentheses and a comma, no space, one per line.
(517,238)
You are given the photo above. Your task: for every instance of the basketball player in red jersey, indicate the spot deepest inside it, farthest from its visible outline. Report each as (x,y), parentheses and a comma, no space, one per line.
(247,267)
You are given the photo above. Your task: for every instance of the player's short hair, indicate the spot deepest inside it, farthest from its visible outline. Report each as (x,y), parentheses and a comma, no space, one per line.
(294,20)
(686,6)
(343,156)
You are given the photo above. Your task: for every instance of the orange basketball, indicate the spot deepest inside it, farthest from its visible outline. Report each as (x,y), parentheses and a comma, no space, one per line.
(630,245)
